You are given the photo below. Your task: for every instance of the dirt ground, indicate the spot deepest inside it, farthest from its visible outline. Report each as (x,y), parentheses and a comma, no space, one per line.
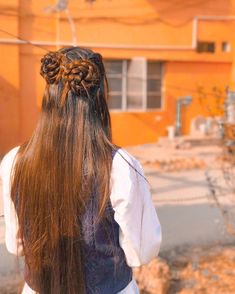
(190,271)
(204,271)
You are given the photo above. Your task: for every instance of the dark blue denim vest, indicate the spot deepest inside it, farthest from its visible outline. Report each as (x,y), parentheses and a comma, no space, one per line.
(106,270)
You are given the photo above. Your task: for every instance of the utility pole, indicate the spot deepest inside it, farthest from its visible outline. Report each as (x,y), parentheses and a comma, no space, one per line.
(62,6)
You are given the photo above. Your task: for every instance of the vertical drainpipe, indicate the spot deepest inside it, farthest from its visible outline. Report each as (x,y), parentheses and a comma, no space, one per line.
(180,102)
(178,118)
(230,108)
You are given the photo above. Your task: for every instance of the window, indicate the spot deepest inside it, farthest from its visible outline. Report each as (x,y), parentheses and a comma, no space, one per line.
(226,47)
(154,84)
(134,84)
(205,47)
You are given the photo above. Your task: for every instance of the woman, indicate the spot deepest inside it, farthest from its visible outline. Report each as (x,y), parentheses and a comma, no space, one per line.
(77,206)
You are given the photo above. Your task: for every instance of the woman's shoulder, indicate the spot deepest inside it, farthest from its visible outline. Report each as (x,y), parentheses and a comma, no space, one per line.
(123,160)
(7,161)
(122,154)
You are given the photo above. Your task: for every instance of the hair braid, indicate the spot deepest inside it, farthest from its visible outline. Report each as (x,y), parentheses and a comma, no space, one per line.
(82,77)
(51,67)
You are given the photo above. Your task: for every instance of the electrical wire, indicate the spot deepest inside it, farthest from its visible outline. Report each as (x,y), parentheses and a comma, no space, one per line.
(22,39)
(135,22)
(147,20)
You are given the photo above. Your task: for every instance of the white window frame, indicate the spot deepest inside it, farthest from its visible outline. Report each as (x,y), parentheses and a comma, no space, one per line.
(144,88)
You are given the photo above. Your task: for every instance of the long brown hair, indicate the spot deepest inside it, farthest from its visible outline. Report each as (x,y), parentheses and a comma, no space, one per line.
(55,171)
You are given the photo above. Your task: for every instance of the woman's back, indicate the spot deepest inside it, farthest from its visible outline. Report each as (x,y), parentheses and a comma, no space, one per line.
(70,216)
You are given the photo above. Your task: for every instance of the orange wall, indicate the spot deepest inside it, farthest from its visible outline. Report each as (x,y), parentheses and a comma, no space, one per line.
(107,24)
(9,84)
(180,79)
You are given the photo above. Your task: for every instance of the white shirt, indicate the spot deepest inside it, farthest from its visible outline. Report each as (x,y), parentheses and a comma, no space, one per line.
(139,228)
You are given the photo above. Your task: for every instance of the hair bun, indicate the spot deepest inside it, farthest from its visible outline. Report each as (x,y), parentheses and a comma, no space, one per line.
(51,67)
(81,76)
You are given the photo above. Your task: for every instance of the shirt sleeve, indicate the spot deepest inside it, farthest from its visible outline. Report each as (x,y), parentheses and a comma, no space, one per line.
(139,227)
(13,243)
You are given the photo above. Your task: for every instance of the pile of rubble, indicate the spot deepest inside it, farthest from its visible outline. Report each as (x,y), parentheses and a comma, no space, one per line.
(175,164)
(154,277)
(167,156)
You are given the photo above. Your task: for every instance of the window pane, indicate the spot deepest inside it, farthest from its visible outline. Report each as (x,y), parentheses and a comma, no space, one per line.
(153,101)
(154,68)
(113,67)
(134,85)
(205,47)
(115,102)
(134,102)
(115,84)
(153,85)
(114,75)
(136,68)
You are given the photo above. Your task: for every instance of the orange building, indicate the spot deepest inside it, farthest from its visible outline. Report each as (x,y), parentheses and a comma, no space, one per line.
(155,53)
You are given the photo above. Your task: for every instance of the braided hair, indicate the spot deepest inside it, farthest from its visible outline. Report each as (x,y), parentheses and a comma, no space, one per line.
(81,77)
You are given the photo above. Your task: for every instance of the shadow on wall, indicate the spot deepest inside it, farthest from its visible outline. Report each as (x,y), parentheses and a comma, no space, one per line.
(9,116)
(169,9)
